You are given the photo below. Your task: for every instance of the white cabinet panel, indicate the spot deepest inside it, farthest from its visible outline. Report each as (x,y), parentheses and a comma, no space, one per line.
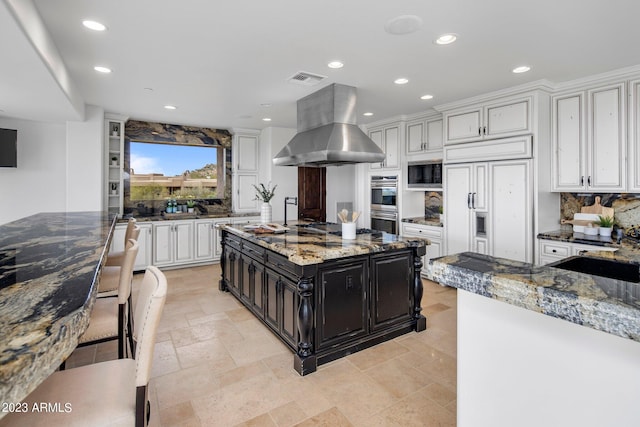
(388,139)
(435,236)
(173,242)
(163,243)
(569,149)
(607,138)
(205,239)
(245,193)
(497,119)
(464,126)
(184,242)
(589,140)
(509,118)
(246,152)
(633,160)
(423,136)
(457,223)
(145,247)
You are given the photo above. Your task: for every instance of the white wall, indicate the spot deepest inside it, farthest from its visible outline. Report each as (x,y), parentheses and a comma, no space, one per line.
(38,184)
(341,187)
(85,160)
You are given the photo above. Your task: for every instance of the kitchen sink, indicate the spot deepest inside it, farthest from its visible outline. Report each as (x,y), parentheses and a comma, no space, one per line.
(600,267)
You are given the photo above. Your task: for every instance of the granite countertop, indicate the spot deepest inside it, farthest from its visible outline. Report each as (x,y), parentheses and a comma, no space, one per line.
(608,305)
(304,246)
(185,215)
(49,269)
(423,220)
(626,251)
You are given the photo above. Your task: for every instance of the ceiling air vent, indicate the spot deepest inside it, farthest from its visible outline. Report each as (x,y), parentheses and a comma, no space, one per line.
(306,78)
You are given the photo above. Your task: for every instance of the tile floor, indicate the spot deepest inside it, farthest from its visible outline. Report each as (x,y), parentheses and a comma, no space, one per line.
(215,364)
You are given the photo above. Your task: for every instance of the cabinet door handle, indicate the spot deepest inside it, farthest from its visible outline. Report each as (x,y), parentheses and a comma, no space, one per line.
(589,181)
(479,131)
(554,250)
(468,200)
(484,130)
(582,180)
(473,200)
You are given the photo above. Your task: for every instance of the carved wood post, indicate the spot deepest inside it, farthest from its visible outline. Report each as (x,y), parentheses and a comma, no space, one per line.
(421,321)
(305,360)
(222,284)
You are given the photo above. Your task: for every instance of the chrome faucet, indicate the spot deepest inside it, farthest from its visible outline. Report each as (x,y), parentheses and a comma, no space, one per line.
(288,201)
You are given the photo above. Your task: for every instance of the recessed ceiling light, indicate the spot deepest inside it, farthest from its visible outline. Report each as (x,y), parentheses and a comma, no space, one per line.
(446,39)
(149,89)
(335,64)
(266,119)
(401,81)
(94,25)
(170,107)
(367,114)
(265,105)
(426,97)
(521,69)
(101,69)
(403,24)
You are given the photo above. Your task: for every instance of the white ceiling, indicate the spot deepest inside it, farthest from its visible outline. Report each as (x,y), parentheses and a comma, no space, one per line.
(218,61)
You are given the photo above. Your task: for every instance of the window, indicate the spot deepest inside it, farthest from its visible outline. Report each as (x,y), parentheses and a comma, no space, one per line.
(158,171)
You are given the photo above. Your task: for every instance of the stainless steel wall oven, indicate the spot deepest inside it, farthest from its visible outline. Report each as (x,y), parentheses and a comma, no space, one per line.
(384,203)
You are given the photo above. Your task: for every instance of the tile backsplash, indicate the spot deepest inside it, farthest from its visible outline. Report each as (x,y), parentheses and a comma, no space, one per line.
(626,206)
(432,203)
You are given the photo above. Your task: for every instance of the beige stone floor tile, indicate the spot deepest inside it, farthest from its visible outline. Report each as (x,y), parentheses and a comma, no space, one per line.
(440,394)
(242,373)
(262,420)
(178,415)
(186,384)
(281,365)
(287,415)
(432,309)
(330,418)
(165,360)
(212,351)
(416,410)
(378,354)
(398,378)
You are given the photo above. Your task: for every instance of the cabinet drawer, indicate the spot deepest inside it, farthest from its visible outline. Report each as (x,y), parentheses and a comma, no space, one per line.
(555,250)
(281,264)
(422,231)
(252,250)
(233,241)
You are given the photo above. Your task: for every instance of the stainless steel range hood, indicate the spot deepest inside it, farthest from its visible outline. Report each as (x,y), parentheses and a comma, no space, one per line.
(327,132)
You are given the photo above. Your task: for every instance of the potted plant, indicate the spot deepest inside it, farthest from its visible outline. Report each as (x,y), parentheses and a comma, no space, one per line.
(441,213)
(265,194)
(606,225)
(191,206)
(114,188)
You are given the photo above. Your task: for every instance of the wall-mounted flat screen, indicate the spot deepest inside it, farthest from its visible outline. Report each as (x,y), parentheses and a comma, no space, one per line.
(8,148)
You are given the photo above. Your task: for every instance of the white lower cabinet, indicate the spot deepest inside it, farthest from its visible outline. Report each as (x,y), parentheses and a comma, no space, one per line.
(435,236)
(552,250)
(173,242)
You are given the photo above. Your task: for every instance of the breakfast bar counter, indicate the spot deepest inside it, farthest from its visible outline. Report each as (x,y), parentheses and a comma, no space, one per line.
(49,269)
(322,295)
(552,346)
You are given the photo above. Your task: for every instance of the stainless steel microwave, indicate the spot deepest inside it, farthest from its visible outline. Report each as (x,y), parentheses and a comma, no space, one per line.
(426,174)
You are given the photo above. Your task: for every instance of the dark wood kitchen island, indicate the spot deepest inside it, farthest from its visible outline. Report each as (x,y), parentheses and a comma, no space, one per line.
(325,297)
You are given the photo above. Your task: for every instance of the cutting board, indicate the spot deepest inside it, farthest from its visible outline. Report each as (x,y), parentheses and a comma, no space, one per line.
(598,209)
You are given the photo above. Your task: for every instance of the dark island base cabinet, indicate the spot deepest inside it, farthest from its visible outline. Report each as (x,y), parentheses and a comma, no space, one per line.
(329,310)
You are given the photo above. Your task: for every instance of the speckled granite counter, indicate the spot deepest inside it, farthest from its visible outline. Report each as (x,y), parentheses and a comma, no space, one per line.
(421,220)
(626,251)
(180,216)
(49,268)
(304,246)
(607,305)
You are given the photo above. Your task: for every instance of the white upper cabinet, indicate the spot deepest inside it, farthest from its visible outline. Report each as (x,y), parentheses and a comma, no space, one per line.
(246,153)
(634,139)
(497,119)
(424,136)
(388,139)
(589,140)
(246,156)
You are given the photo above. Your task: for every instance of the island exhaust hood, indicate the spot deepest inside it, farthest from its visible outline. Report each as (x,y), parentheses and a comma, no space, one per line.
(327,132)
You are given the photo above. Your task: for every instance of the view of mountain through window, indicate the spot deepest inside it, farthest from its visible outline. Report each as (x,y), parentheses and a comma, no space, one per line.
(161,171)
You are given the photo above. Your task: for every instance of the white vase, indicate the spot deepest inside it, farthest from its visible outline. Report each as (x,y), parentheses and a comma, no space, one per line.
(605,231)
(265,213)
